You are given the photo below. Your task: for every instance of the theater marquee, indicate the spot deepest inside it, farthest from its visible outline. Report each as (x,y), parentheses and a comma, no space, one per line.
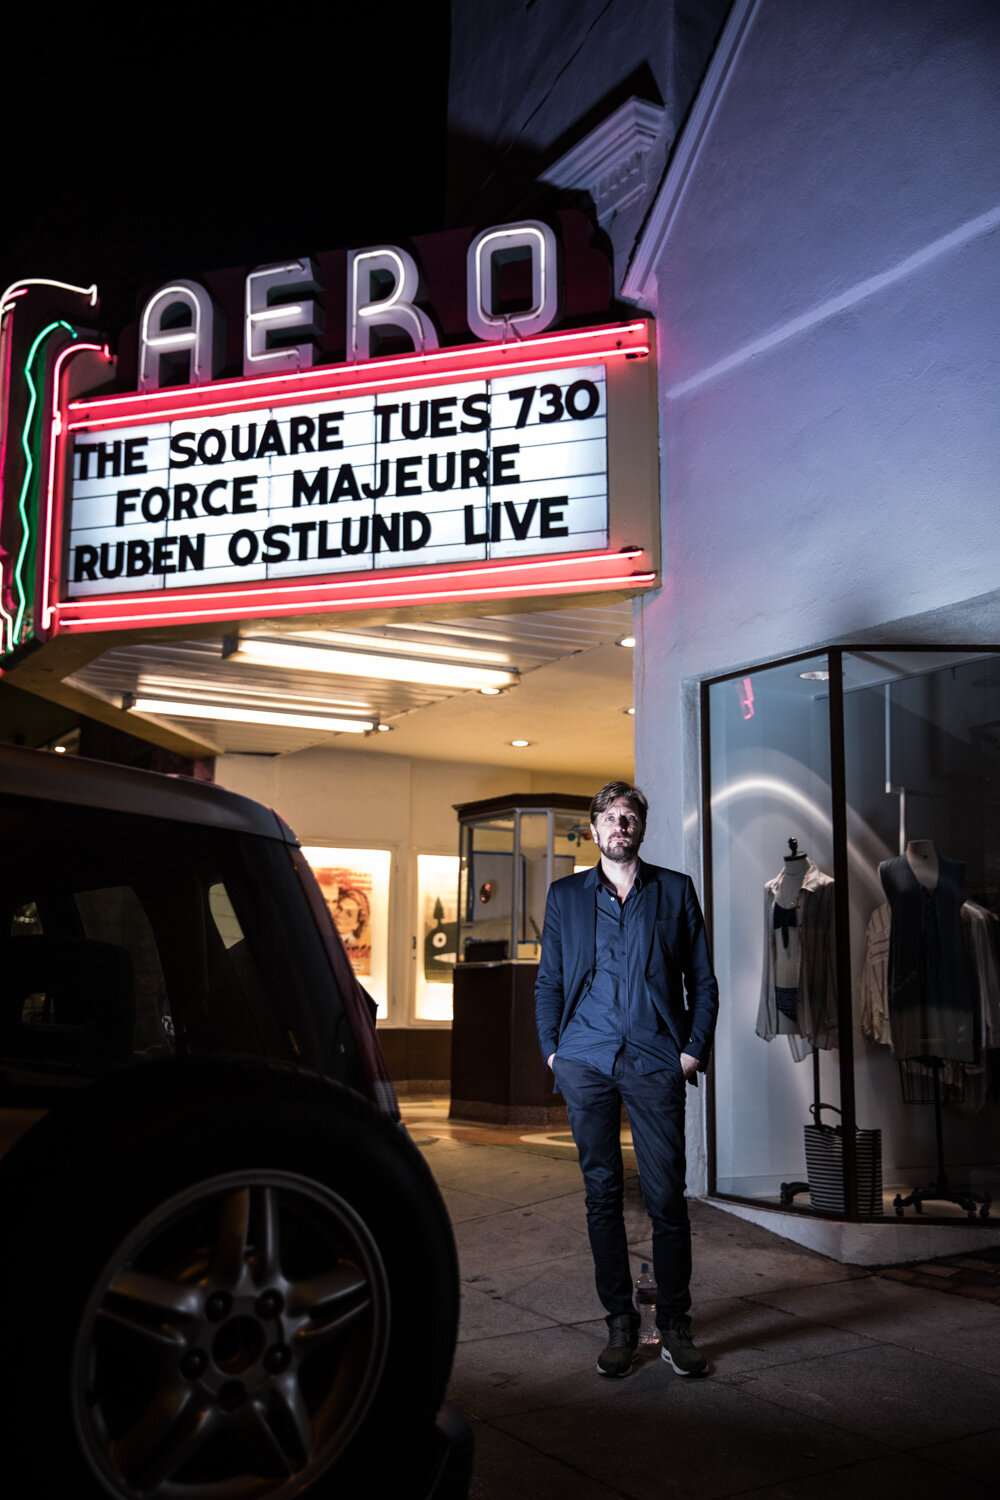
(396,482)
(521,464)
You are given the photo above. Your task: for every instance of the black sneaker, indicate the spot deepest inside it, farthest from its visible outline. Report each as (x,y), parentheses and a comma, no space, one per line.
(677,1348)
(618,1355)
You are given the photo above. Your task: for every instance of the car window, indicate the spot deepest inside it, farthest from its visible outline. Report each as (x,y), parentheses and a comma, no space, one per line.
(126,939)
(114,914)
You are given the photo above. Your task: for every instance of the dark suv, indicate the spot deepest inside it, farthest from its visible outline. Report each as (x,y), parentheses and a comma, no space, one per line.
(227,1271)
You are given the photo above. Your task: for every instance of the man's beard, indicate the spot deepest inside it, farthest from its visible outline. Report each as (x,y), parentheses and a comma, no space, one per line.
(621,849)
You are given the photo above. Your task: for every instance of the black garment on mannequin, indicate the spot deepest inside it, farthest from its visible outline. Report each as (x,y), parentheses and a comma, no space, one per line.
(930,996)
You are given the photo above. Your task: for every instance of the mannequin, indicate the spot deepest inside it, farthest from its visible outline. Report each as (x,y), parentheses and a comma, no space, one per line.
(798,987)
(922,858)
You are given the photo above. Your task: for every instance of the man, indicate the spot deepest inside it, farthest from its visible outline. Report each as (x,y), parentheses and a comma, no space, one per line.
(626,1003)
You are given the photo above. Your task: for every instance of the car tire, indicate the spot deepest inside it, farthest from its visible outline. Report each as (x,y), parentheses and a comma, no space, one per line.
(223,1279)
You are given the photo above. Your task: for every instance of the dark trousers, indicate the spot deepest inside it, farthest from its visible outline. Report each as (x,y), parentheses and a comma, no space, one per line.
(655,1105)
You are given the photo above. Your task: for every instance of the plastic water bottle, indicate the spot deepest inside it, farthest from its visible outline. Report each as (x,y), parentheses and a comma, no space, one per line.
(645,1301)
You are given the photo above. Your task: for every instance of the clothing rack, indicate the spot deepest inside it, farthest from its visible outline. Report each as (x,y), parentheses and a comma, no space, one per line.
(941,1191)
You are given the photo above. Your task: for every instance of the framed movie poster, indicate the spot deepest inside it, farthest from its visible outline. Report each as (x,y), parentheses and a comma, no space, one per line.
(437,935)
(355,886)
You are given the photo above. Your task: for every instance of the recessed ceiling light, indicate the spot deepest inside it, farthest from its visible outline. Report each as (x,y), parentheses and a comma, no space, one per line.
(385,728)
(629,711)
(520,744)
(491,692)
(628,641)
(815,676)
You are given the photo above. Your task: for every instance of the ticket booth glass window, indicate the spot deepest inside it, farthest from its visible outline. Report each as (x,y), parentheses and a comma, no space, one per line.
(486,891)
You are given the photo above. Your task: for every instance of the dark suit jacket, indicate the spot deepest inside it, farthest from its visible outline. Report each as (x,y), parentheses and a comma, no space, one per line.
(678,972)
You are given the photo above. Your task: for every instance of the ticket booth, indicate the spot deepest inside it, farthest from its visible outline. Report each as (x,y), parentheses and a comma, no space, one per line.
(511,849)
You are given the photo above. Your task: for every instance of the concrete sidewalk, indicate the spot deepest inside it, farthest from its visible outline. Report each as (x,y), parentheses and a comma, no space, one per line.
(826,1380)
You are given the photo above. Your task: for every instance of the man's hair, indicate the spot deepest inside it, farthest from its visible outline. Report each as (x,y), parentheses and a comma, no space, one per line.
(612,792)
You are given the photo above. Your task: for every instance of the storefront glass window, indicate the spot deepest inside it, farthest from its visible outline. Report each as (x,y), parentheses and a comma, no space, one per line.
(922,755)
(877,992)
(770,783)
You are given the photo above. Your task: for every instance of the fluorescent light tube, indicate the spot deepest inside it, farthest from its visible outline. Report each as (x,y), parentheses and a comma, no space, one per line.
(384,667)
(250,715)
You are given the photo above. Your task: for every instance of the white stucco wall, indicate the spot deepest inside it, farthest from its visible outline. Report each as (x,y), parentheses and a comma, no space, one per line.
(826,281)
(829,368)
(346,799)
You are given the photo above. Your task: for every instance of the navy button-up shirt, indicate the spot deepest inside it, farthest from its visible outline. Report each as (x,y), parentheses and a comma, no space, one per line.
(616,1010)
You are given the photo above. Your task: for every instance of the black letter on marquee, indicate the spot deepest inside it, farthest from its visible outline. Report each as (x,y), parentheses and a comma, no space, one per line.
(241,494)
(477,407)
(552,518)
(449,471)
(276,548)
(324,549)
(191,553)
(303,528)
(83,452)
(107,571)
(473,467)
(407,480)
(271,442)
(123,505)
(419,429)
(134,455)
(384,413)
(416,530)
(345,485)
(138,557)
(247,539)
(185,499)
(213,510)
(376,491)
(248,451)
(385,530)
(503,466)
(317,490)
(471,534)
(442,420)
(519,526)
(180,456)
(328,440)
(217,452)
(84,562)
(361,545)
(300,434)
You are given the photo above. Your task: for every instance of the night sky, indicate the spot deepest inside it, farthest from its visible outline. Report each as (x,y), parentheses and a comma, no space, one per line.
(131,158)
(133,155)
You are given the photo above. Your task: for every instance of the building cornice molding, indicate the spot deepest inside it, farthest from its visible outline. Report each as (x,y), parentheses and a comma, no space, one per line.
(637,285)
(609,163)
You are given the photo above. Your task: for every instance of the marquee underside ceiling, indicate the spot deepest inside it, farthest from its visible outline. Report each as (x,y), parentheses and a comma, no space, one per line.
(573,690)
